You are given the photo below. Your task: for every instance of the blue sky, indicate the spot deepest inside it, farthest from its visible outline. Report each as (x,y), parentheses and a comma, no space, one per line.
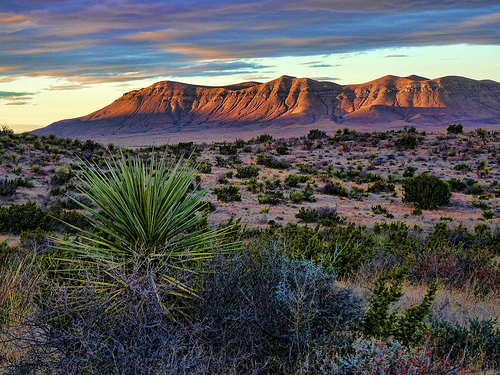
(66,58)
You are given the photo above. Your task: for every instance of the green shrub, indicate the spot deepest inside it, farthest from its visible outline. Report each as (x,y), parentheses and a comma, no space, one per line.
(407,327)
(7,187)
(306,194)
(272,197)
(476,189)
(227,193)
(426,191)
(264,138)
(204,167)
(380,210)
(334,188)
(271,162)
(455,129)
(225,149)
(316,134)
(248,171)
(457,185)
(408,142)
(461,167)
(293,180)
(381,186)
(19,218)
(282,150)
(324,216)
(36,168)
(409,171)
(479,341)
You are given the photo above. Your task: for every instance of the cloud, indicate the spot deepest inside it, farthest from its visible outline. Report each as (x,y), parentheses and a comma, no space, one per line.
(9,69)
(6,95)
(325,78)
(395,56)
(324,65)
(95,41)
(11,18)
(66,87)
(17,103)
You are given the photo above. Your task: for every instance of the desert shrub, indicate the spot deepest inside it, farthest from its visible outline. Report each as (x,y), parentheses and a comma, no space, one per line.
(37,241)
(409,171)
(57,191)
(282,150)
(407,141)
(204,167)
(264,138)
(271,162)
(426,191)
(381,186)
(272,197)
(475,189)
(36,168)
(68,221)
(227,193)
(248,171)
(324,215)
(316,134)
(461,167)
(409,326)
(63,175)
(293,180)
(307,168)
(7,187)
(381,357)
(334,188)
(457,185)
(455,129)
(478,342)
(381,210)
(184,149)
(18,218)
(19,282)
(306,194)
(259,310)
(337,248)
(225,149)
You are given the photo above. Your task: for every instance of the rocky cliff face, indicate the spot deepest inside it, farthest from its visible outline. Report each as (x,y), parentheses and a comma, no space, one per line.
(171,106)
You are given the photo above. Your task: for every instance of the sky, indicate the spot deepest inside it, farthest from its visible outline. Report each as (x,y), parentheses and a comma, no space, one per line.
(62,59)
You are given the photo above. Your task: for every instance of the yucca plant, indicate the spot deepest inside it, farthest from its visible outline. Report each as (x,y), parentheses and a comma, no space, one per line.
(144,238)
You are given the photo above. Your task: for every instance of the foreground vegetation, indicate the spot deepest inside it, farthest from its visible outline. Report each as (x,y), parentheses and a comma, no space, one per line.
(122,267)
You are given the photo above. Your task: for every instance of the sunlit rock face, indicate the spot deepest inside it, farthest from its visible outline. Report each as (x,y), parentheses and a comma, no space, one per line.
(168,107)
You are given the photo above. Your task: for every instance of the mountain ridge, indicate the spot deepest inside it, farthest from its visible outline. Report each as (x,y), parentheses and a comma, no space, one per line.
(169,106)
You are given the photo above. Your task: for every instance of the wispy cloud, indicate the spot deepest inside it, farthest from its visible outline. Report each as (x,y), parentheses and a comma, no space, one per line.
(91,41)
(6,95)
(18,102)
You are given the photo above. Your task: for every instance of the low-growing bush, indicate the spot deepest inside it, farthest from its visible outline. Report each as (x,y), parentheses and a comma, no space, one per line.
(455,129)
(248,171)
(334,188)
(293,180)
(324,216)
(227,193)
(272,197)
(426,191)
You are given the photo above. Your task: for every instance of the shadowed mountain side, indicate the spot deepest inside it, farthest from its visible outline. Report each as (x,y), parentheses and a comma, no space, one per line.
(171,107)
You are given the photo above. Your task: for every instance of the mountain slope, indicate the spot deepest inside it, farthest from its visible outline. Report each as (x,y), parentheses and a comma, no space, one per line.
(168,107)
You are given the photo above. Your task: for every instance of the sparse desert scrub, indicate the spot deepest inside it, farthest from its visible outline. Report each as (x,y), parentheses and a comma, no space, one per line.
(254,323)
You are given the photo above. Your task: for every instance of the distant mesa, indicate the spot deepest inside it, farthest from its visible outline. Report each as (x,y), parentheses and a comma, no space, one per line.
(169,107)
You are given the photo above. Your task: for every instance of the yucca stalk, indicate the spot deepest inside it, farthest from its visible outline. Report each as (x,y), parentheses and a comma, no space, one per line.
(144,231)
